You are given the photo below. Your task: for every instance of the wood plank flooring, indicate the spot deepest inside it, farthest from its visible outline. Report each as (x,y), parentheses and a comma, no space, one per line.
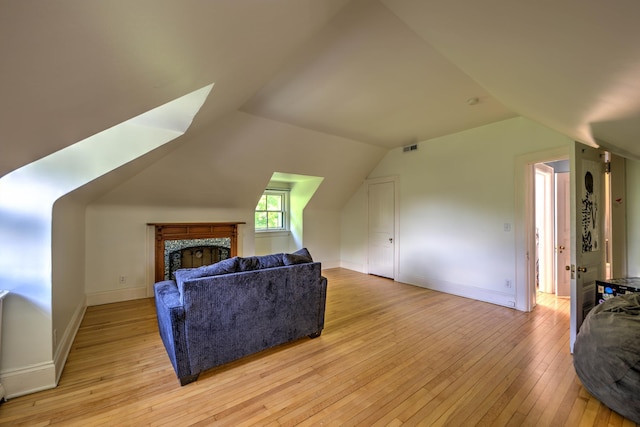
(391,354)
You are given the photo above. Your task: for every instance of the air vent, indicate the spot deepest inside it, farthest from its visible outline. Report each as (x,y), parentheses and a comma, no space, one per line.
(407,148)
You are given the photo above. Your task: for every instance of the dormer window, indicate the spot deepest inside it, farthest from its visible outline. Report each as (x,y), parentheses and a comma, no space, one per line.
(272,213)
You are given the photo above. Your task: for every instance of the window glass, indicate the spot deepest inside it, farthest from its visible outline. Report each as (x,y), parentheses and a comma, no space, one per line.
(271,212)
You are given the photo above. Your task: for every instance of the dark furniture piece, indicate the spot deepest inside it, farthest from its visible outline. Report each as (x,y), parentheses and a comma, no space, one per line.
(606,354)
(606,289)
(215,314)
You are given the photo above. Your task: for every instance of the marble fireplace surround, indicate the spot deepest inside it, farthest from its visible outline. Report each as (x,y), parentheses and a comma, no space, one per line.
(171,236)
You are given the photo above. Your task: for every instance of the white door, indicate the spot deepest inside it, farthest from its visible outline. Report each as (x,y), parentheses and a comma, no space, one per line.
(563,235)
(588,228)
(382,210)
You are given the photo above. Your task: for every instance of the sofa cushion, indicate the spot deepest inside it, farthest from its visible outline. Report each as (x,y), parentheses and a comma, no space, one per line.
(259,262)
(226,266)
(301,256)
(270,261)
(229,265)
(249,263)
(304,252)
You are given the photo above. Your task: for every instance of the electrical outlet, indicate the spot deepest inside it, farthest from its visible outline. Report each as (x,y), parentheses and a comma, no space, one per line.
(507,283)
(122,280)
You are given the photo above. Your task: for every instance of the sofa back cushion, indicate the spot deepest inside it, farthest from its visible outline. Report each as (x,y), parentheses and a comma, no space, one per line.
(226,266)
(259,262)
(241,264)
(301,256)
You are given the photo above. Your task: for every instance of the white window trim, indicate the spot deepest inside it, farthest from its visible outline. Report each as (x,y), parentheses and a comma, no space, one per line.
(286,230)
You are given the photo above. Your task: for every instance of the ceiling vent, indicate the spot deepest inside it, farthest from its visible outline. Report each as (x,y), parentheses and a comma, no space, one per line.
(408,148)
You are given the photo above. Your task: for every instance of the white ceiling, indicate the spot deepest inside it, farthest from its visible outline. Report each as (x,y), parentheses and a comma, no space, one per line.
(369,77)
(572,65)
(386,72)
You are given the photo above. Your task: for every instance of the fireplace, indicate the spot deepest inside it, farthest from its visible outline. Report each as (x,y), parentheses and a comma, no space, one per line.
(184,245)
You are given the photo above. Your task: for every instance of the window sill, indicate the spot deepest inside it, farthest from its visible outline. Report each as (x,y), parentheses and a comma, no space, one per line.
(271,234)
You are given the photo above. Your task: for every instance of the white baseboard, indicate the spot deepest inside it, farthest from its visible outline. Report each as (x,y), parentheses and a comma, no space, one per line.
(330,264)
(66,341)
(29,379)
(118,295)
(46,375)
(472,292)
(360,268)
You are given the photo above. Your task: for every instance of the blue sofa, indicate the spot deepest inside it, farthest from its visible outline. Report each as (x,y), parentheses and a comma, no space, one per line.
(215,314)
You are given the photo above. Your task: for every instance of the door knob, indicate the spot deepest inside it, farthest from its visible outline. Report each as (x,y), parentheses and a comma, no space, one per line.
(390,240)
(582,269)
(566,267)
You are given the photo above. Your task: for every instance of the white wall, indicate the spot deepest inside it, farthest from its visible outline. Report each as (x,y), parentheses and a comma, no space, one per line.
(120,243)
(632,203)
(68,271)
(322,236)
(456,193)
(272,243)
(219,176)
(27,199)
(353,232)
(230,164)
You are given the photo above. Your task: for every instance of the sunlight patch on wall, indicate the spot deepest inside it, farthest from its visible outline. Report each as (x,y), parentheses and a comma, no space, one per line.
(27,195)
(303,187)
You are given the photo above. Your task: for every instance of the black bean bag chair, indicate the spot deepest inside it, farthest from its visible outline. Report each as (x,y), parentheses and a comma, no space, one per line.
(606,354)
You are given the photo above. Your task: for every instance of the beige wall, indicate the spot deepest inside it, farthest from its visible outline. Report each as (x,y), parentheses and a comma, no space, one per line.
(456,193)
(219,177)
(632,203)
(68,272)
(120,243)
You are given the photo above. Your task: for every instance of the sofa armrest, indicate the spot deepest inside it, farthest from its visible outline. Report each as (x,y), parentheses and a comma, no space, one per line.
(170,314)
(168,293)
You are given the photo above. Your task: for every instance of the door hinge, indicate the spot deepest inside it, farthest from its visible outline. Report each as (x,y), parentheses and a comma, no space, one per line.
(607,167)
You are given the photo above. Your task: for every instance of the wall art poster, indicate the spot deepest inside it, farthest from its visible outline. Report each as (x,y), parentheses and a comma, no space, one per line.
(589,206)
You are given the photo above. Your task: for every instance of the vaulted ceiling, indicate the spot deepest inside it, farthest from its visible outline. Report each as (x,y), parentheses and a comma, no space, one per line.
(384,73)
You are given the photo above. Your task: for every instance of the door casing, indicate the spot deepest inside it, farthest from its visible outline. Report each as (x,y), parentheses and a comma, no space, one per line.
(563,235)
(524,228)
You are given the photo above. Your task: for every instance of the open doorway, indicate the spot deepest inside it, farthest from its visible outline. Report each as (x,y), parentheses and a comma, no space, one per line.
(552,224)
(586,266)
(552,228)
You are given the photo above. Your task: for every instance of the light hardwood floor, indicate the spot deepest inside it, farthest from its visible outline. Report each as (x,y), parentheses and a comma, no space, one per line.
(391,354)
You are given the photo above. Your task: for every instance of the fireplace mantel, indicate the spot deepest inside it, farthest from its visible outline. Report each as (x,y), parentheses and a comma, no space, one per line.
(188,231)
